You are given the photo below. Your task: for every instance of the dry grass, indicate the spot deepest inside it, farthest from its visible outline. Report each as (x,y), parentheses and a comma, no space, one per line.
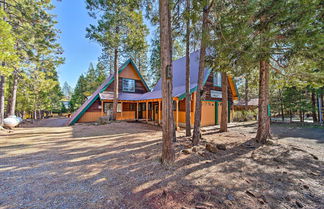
(117,166)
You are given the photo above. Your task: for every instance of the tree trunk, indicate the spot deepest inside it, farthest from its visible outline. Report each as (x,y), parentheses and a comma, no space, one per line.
(314,106)
(196,133)
(281,106)
(320,113)
(246,93)
(263,132)
(116,77)
(168,132)
(188,96)
(12,100)
(224,115)
(282,112)
(2,91)
(322,96)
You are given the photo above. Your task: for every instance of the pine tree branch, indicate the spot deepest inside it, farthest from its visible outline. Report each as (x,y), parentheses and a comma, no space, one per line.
(276,69)
(277,62)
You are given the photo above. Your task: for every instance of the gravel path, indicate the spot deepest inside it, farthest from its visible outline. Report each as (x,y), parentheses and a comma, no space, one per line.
(117,166)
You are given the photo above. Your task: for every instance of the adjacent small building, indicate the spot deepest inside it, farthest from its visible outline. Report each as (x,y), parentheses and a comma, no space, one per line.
(137,102)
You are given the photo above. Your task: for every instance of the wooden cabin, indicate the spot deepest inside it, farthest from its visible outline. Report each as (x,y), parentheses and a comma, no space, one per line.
(137,102)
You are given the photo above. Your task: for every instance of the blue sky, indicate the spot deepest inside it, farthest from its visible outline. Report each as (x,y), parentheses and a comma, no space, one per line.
(79,51)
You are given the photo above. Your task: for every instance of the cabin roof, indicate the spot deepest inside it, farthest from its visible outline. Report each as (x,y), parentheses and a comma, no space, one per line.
(179,72)
(179,80)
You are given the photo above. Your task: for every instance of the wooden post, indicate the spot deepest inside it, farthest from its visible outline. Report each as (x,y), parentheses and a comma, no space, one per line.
(146,111)
(177,114)
(102,108)
(159,116)
(137,111)
(121,110)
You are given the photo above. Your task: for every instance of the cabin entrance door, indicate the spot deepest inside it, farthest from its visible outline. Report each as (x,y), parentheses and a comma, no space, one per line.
(155,111)
(140,111)
(108,108)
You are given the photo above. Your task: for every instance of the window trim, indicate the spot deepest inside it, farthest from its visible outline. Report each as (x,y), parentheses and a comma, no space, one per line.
(126,90)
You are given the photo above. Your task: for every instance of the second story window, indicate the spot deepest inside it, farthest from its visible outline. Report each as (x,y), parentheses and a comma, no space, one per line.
(217,79)
(128,85)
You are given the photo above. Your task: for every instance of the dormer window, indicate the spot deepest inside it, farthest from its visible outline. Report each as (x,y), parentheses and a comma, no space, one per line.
(128,85)
(217,79)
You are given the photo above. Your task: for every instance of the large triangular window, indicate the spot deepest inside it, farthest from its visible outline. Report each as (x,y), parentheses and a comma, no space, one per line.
(217,79)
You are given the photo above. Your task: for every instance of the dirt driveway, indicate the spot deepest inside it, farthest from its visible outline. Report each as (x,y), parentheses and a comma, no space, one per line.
(117,166)
(50,122)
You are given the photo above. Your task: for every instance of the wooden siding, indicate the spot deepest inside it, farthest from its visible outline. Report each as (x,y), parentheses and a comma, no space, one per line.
(89,117)
(126,115)
(208,114)
(182,104)
(94,116)
(209,86)
(129,72)
(232,87)
(207,117)
(95,106)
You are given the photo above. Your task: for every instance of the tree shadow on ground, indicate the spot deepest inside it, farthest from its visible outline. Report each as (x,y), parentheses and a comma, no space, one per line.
(284,131)
(120,168)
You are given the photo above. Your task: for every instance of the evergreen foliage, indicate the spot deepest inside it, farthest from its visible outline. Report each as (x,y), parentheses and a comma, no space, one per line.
(87,84)
(30,51)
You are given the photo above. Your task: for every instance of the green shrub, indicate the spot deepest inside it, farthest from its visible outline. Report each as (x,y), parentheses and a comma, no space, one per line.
(245,115)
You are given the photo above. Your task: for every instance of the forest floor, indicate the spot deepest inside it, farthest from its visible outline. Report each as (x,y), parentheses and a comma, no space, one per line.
(117,166)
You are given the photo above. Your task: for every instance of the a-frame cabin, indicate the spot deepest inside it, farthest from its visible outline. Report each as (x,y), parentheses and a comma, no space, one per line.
(137,102)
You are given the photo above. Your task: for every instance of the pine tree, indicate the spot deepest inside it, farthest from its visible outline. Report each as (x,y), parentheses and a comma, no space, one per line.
(206,5)
(168,133)
(79,94)
(91,80)
(271,35)
(8,57)
(100,74)
(36,46)
(188,93)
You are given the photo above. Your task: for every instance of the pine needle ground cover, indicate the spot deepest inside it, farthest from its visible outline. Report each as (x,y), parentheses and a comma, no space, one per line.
(117,166)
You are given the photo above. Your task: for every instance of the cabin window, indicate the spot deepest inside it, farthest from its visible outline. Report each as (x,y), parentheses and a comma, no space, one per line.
(119,107)
(109,107)
(217,79)
(132,107)
(128,85)
(174,105)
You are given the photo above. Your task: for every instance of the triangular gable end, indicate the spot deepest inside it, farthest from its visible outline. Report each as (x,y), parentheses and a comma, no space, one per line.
(129,61)
(85,106)
(232,86)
